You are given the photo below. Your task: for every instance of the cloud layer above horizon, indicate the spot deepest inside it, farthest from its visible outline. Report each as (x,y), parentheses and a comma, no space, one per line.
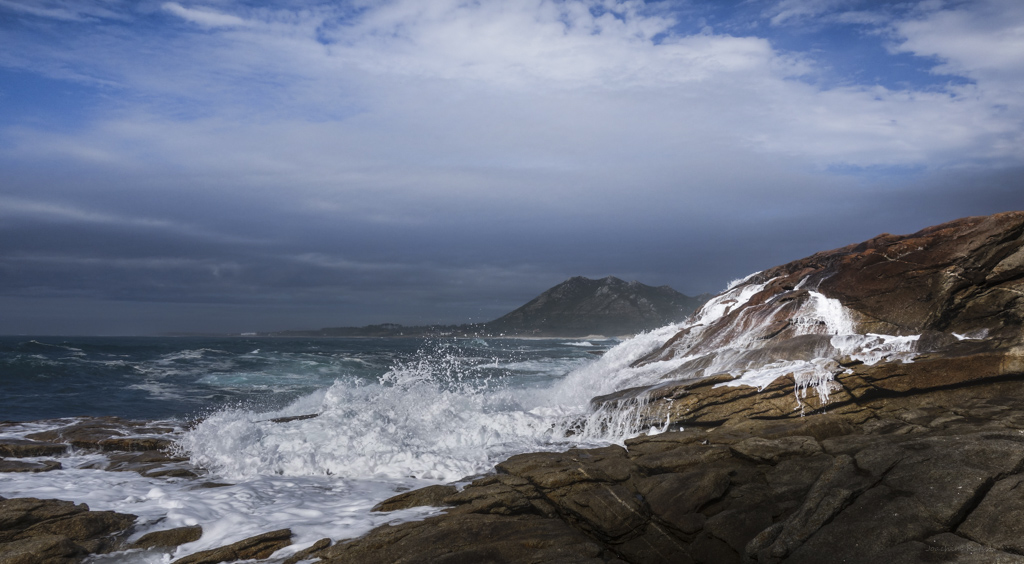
(229,165)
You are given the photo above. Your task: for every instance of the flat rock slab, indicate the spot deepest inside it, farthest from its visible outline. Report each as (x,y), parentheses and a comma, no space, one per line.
(472,538)
(428,496)
(998,522)
(29,466)
(257,547)
(47,549)
(108,434)
(23,448)
(169,538)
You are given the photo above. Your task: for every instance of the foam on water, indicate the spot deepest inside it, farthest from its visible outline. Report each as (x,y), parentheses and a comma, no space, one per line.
(435,418)
(313,507)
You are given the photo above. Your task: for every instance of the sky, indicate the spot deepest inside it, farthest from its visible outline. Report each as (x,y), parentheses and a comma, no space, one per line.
(244,165)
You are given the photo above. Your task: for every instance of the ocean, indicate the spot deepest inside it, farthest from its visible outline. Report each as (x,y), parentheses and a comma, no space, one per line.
(390,415)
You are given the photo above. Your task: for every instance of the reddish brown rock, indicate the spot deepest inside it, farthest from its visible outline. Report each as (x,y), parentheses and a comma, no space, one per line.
(108,434)
(257,547)
(49,549)
(58,531)
(965,277)
(430,495)
(169,538)
(312,552)
(473,538)
(29,466)
(20,448)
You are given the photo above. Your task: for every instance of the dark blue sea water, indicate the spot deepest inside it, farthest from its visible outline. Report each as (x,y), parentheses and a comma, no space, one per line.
(187,377)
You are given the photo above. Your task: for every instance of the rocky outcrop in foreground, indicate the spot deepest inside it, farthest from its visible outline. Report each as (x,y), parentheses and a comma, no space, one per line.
(45,531)
(912,449)
(916,476)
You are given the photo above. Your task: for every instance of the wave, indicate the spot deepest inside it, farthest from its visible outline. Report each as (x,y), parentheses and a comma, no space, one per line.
(441,416)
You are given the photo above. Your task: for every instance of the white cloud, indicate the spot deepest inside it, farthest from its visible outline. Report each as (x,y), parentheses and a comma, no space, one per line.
(513,100)
(561,44)
(204,16)
(791,12)
(982,40)
(13,207)
(73,10)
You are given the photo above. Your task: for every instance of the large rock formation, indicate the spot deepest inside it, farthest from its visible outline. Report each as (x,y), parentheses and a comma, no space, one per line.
(917,481)
(911,451)
(950,291)
(609,306)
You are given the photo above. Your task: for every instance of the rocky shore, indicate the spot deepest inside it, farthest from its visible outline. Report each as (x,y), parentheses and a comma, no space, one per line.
(901,441)
(925,475)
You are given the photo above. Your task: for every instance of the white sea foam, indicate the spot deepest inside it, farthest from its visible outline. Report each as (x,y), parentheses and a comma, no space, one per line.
(158,390)
(735,297)
(741,352)
(313,507)
(972,335)
(432,419)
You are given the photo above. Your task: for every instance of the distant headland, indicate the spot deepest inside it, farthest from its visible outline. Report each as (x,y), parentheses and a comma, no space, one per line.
(577,307)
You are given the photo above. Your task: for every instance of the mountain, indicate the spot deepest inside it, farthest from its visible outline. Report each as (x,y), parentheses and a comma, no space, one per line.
(609,306)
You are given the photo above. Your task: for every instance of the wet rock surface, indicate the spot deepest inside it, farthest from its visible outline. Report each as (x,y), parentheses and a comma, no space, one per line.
(52,531)
(131,446)
(21,448)
(932,476)
(29,465)
(169,538)
(108,434)
(957,288)
(257,547)
(915,457)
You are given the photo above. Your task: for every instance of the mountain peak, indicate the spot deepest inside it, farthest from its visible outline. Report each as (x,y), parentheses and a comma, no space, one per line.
(583,306)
